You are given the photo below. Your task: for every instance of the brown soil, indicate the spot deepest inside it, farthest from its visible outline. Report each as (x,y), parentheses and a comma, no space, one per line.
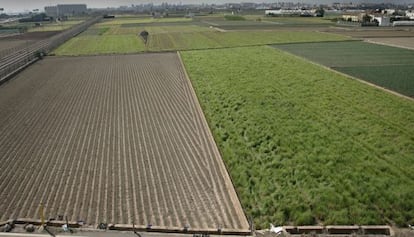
(33,35)
(116,139)
(9,44)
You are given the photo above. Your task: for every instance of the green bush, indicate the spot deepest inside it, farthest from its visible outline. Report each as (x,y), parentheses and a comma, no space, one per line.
(234,18)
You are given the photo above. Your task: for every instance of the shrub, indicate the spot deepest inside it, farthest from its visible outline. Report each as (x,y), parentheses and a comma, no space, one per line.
(234,18)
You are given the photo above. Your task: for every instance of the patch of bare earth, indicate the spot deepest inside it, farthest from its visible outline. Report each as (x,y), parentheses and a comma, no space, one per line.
(116,139)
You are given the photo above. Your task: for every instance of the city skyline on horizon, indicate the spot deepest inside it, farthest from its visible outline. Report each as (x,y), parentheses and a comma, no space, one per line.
(26,5)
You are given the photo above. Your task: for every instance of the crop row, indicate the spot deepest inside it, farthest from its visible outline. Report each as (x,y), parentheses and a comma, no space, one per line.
(111,139)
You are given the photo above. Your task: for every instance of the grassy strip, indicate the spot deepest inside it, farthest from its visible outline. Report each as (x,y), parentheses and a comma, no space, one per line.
(305,145)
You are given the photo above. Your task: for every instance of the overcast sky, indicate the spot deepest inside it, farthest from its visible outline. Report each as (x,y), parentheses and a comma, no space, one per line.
(28,5)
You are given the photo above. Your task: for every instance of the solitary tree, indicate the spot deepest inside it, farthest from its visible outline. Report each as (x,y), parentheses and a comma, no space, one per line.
(366,18)
(320,12)
(144,35)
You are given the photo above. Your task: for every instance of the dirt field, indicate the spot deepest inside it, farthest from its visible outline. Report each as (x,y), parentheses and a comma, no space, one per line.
(8,44)
(33,35)
(22,40)
(116,139)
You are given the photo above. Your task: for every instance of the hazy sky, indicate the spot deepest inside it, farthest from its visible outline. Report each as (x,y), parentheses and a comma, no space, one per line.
(22,5)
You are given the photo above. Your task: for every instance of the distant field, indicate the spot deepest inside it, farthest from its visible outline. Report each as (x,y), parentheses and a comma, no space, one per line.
(141,20)
(385,66)
(181,41)
(292,21)
(260,22)
(121,30)
(7,45)
(303,144)
(95,44)
(55,26)
(404,42)
(374,32)
(180,38)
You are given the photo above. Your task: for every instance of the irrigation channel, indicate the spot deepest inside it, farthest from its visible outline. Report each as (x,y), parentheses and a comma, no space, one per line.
(17,58)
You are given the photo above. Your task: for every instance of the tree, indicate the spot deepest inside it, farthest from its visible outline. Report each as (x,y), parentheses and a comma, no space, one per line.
(320,12)
(366,18)
(144,34)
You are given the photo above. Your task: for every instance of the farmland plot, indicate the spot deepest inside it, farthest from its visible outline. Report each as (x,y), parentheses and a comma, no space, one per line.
(306,145)
(116,139)
(385,66)
(190,38)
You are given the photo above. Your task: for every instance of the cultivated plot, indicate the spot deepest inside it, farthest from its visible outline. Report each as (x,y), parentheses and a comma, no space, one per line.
(386,66)
(116,139)
(9,44)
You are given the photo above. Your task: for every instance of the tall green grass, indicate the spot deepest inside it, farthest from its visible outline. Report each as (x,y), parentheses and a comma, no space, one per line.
(305,145)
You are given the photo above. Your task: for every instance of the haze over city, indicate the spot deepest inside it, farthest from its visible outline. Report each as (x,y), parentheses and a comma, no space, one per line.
(27,5)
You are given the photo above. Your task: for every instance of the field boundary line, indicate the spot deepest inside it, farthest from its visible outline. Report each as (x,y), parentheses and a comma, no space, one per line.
(388,44)
(347,76)
(222,166)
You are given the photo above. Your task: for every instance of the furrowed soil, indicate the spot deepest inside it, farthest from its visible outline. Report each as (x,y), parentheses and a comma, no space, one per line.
(116,139)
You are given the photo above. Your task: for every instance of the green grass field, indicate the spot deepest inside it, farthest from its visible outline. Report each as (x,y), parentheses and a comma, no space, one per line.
(386,66)
(98,44)
(119,30)
(179,38)
(135,20)
(202,40)
(303,144)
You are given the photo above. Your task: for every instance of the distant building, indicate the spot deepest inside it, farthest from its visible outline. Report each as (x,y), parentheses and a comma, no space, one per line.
(65,10)
(382,20)
(51,11)
(288,12)
(410,14)
(352,17)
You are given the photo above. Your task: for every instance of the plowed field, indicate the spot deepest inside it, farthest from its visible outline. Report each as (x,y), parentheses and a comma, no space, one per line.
(116,139)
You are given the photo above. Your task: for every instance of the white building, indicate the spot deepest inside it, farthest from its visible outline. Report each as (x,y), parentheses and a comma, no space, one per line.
(288,12)
(410,14)
(382,20)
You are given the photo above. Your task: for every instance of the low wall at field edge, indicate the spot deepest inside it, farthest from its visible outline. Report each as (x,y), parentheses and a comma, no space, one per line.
(128,227)
(380,230)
